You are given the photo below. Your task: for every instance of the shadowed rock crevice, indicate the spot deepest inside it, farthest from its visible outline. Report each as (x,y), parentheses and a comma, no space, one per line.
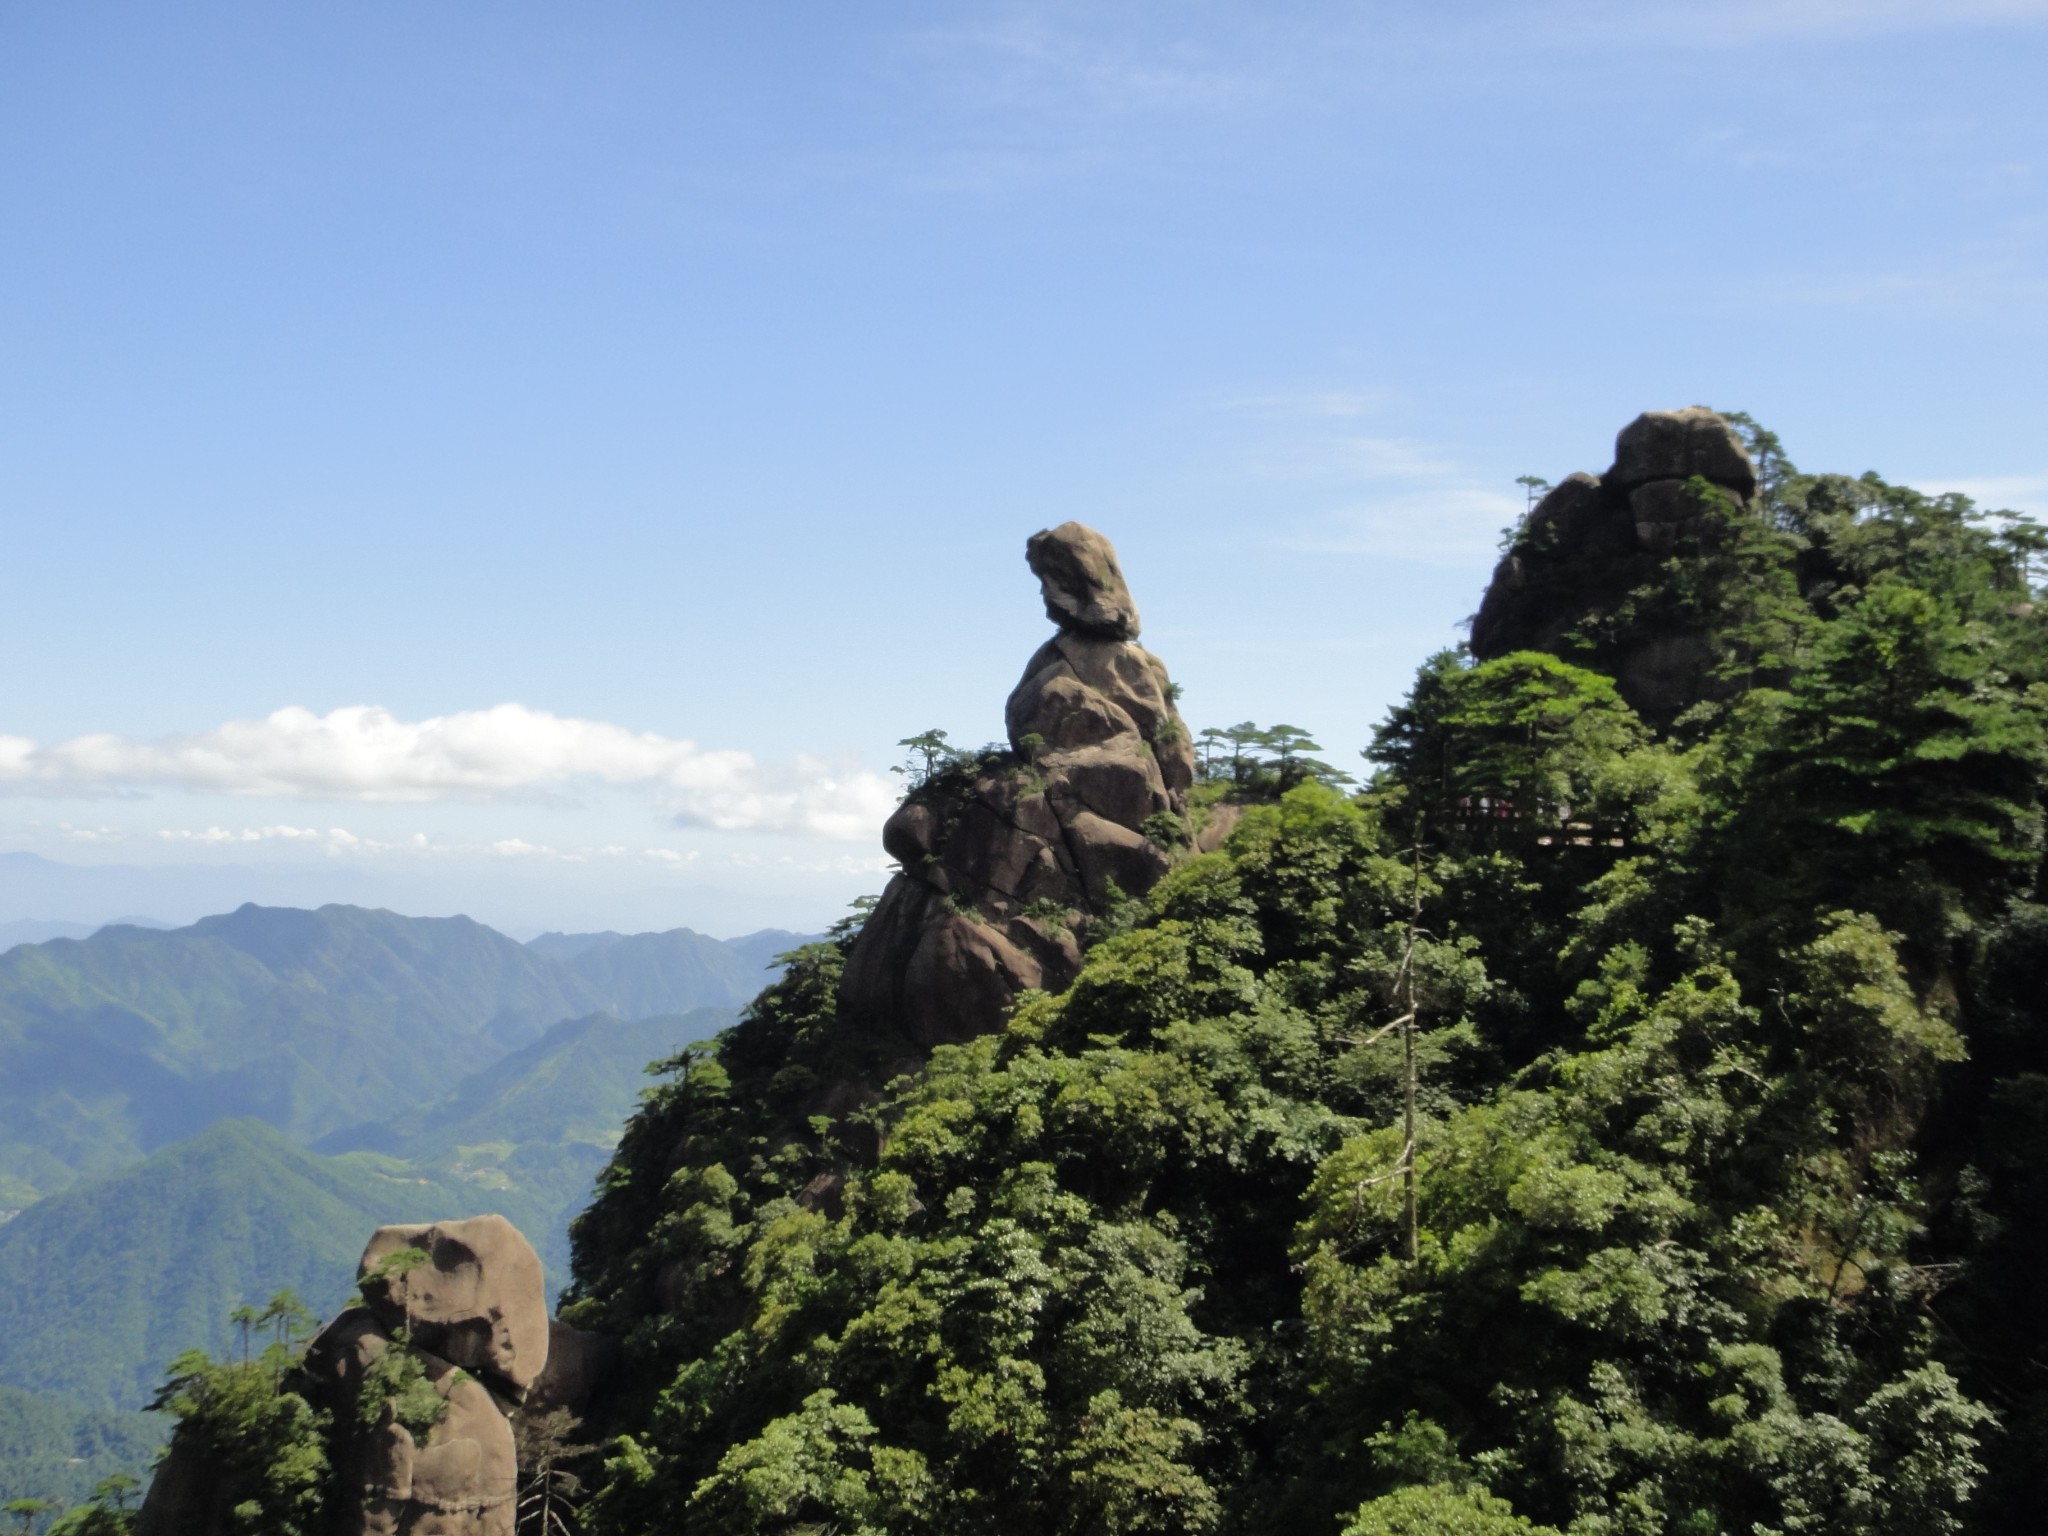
(1005,856)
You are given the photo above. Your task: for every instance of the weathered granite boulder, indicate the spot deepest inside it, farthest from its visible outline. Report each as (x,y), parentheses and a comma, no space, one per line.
(1592,542)
(1082,584)
(1676,445)
(1001,864)
(472,1322)
(475,1315)
(461,1479)
(479,1300)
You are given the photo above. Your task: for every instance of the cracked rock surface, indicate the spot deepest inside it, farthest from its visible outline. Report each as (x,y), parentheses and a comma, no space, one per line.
(1002,860)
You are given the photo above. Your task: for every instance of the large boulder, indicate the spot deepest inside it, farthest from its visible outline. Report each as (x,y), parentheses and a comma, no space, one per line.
(1568,582)
(1081,582)
(456,1477)
(462,1479)
(479,1299)
(466,1317)
(1676,445)
(1002,863)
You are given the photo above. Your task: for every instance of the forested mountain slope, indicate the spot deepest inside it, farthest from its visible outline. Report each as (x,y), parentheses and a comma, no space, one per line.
(314,1021)
(528,1134)
(52,1449)
(638,975)
(1727,1045)
(101,1285)
(1625,1115)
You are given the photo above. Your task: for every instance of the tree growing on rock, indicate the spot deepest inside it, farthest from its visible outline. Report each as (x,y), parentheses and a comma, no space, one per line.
(929,753)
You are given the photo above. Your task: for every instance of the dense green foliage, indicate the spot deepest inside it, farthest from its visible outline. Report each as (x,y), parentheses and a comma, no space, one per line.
(51,1448)
(1720,1023)
(254,1448)
(1732,1087)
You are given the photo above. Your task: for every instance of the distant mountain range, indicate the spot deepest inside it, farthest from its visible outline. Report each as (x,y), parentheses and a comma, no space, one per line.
(517,896)
(100,1285)
(195,1118)
(31,930)
(313,1021)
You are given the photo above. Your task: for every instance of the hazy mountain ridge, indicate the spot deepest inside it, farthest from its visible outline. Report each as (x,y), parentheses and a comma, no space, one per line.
(102,1284)
(31,930)
(313,1021)
(129,1062)
(529,1133)
(439,1058)
(641,974)
(567,1082)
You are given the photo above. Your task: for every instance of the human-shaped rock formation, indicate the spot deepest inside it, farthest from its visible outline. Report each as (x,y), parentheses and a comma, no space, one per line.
(466,1302)
(475,1316)
(1000,862)
(478,1302)
(1591,543)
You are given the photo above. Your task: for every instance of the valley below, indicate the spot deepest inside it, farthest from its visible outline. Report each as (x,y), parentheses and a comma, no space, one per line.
(195,1119)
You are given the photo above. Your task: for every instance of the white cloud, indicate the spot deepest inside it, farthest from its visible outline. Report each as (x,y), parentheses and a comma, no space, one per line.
(844,864)
(246,835)
(92,834)
(336,839)
(364,753)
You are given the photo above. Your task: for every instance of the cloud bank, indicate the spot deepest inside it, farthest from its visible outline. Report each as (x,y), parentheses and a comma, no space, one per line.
(364,753)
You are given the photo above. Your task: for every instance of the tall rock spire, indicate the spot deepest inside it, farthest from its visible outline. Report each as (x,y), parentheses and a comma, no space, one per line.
(1004,857)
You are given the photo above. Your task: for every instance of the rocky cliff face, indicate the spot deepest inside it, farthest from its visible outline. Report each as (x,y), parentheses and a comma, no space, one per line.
(1569,582)
(1004,857)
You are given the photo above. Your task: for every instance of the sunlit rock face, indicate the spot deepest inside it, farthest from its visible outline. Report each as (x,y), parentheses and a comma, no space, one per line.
(478,1301)
(466,1303)
(1565,585)
(1000,862)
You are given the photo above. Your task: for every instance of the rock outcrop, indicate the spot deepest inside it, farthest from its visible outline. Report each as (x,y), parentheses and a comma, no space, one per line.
(1003,857)
(457,1477)
(1566,585)
(466,1304)
(475,1313)
(478,1302)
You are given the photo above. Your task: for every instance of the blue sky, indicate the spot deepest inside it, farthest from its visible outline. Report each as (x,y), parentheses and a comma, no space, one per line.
(603,432)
